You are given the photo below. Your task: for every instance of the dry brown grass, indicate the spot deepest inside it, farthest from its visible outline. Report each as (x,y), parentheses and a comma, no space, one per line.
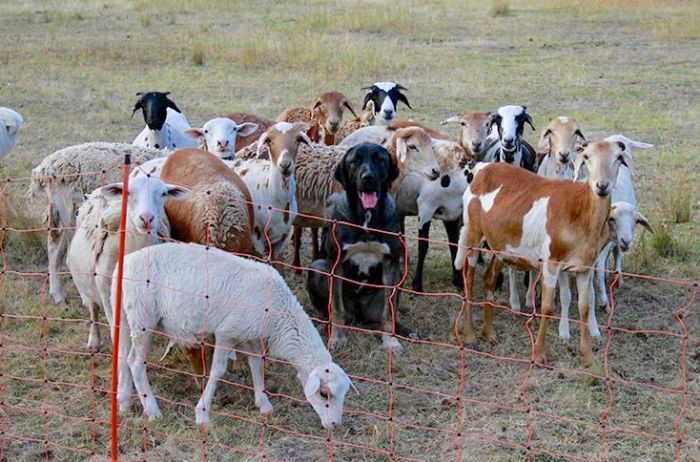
(72,68)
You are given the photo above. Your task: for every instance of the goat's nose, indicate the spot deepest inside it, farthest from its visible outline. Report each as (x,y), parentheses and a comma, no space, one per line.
(624,244)
(388,112)
(602,185)
(475,145)
(222,144)
(508,141)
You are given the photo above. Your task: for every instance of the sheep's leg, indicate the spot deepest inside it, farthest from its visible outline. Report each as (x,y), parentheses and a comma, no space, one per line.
(423,245)
(583,287)
(565,302)
(592,321)
(530,294)
(601,266)
(93,343)
(219,364)
(137,364)
(513,289)
(256,370)
(56,246)
(548,288)
(452,230)
(296,238)
(468,329)
(338,336)
(490,279)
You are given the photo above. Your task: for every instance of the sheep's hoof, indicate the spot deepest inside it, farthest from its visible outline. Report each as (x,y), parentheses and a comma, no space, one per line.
(392,344)
(124,405)
(201,417)
(605,306)
(58,297)
(489,337)
(263,403)
(595,332)
(565,335)
(93,345)
(516,306)
(152,411)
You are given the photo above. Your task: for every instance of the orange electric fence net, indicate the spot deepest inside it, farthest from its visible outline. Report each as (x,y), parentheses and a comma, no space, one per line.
(441,400)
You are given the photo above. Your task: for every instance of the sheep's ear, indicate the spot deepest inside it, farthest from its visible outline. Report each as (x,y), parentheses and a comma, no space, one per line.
(137,106)
(367,100)
(401,149)
(544,140)
(113,190)
(628,161)
(11,129)
(450,120)
(494,119)
(302,137)
(262,141)
(313,383)
(578,163)
(528,119)
(169,103)
(247,128)
(195,133)
(642,220)
(401,97)
(579,133)
(393,169)
(177,192)
(347,104)
(316,104)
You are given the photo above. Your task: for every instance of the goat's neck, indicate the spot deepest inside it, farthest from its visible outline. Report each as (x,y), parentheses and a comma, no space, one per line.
(282,188)
(599,213)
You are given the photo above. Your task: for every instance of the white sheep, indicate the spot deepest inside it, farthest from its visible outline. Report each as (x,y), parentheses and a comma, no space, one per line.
(67,176)
(92,254)
(272,185)
(165,123)
(257,314)
(219,135)
(10,124)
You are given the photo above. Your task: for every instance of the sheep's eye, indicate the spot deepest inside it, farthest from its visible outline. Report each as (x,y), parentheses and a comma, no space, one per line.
(585,157)
(324,394)
(463,124)
(412,147)
(611,220)
(206,131)
(621,159)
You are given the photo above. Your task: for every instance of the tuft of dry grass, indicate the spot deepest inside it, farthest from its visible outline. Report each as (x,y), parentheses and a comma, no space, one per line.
(500,7)
(678,202)
(198,54)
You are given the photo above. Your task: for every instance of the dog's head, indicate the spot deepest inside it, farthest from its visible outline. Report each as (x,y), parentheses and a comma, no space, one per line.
(366,172)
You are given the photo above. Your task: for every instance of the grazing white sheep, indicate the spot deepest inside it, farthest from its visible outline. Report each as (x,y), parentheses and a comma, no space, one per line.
(92,255)
(10,124)
(257,314)
(165,123)
(271,181)
(67,176)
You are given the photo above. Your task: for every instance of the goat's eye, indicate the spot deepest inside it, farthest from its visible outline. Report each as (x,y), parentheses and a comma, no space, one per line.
(412,147)
(585,157)
(611,220)
(463,124)
(621,159)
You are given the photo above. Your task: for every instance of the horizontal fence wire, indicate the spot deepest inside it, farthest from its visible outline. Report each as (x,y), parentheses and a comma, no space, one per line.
(55,393)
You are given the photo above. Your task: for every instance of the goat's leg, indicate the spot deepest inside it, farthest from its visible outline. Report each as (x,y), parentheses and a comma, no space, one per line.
(583,287)
(219,364)
(601,276)
(513,289)
(565,302)
(423,245)
(256,370)
(452,230)
(547,307)
(296,239)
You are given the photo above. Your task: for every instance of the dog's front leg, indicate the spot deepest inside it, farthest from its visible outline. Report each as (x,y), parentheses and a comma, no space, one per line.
(390,313)
(338,335)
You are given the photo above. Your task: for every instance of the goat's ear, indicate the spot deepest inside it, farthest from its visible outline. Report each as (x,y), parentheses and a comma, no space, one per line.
(113,190)
(528,119)
(628,161)
(368,98)
(494,119)
(302,137)
(401,97)
(262,141)
(177,192)
(316,104)
(313,383)
(579,133)
(544,141)
(247,128)
(450,120)
(347,104)
(195,133)
(169,103)
(578,163)
(642,220)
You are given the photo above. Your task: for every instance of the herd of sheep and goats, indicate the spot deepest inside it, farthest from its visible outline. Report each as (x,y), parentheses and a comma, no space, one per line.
(241,186)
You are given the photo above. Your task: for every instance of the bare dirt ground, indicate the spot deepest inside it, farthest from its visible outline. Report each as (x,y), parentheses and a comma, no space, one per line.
(72,69)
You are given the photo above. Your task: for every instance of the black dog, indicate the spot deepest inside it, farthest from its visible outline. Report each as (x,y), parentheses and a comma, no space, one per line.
(357,253)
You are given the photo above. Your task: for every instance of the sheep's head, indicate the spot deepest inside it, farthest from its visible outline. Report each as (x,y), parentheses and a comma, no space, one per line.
(218,135)
(414,152)
(602,160)
(154,105)
(10,122)
(561,139)
(622,221)
(146,200)
(329,109)
(475,129)
(325,389)
(510,122)
(283,140)
(385,97)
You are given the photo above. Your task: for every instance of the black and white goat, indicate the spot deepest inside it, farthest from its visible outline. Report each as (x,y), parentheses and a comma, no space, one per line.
(506,143)
(165,124)
(385,96)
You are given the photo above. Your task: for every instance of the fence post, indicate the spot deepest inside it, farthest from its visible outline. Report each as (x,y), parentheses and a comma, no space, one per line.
(118,310)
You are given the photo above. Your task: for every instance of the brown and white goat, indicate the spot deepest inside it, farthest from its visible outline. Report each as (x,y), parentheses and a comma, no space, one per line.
(324,115)
(529,220)
(558,144)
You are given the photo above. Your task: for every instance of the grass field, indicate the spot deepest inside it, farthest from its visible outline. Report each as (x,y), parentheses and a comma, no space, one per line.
(72,68)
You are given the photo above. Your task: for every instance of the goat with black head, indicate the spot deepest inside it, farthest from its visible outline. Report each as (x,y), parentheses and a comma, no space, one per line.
(165,123)
(511,147)
(385,97)
(362,249)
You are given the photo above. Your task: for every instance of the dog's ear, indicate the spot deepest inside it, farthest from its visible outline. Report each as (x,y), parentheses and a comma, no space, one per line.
(341,173)
(393,169)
